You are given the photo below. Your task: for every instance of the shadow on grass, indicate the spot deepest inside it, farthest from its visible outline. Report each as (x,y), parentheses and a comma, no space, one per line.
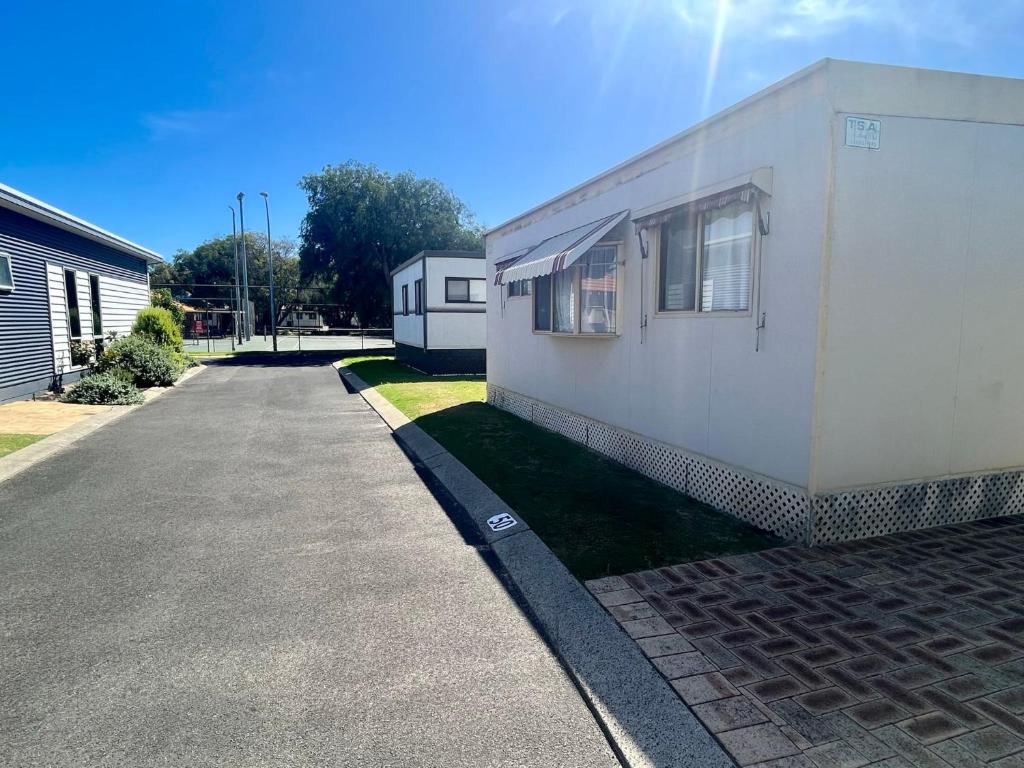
(598,516)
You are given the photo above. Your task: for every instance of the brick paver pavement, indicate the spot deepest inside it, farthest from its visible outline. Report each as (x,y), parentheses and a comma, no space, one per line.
(904,650)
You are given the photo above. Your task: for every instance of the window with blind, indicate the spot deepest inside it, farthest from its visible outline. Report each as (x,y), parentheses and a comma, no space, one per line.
(705,260)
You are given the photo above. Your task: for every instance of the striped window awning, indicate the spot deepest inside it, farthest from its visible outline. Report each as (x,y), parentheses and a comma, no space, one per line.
(558,252)
(738,195)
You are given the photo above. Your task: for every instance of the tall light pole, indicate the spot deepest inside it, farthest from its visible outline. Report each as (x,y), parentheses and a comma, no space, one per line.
(270,269)
(245,268)
(238,290)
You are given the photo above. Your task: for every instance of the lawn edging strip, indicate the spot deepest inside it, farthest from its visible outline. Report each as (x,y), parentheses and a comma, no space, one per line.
(17,462)
(643,718)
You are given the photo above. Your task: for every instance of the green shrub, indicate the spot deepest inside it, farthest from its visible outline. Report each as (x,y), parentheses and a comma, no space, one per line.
(150,364)
(158,324)
(103,389)
(161,297)
(81,352)
(122,374)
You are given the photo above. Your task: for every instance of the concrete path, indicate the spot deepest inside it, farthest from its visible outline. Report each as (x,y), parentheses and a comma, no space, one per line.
(303,601)
(44,417)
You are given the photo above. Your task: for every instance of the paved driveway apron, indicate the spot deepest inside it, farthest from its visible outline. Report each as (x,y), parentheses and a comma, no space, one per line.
(905,650)
(249,572)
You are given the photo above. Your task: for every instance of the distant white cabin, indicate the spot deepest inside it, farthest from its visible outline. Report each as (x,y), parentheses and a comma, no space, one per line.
(304,319)
(803,311)
(440,303)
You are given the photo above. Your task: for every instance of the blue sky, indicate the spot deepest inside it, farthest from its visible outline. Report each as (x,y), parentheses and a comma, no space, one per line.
(148,118)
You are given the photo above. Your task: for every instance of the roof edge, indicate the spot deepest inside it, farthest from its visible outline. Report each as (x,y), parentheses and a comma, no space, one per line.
(27,205)
(429,254)
(742,104)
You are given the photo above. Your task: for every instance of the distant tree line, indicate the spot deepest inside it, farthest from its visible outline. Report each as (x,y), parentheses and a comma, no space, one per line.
(362,222)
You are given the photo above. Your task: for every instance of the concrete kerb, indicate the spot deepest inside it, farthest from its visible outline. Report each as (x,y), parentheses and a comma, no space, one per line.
(17,462)
(644,719)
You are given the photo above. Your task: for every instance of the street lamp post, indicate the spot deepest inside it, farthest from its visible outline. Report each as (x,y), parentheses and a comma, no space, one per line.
(270,269)
(238,290)
(245,268)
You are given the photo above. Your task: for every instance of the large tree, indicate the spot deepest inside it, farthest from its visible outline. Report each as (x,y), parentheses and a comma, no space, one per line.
(207,274)
(363,222)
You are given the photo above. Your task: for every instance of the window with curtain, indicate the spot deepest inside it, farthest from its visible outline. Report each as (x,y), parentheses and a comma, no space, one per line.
(563,301)
(582,298)
(598,289)
(704,262)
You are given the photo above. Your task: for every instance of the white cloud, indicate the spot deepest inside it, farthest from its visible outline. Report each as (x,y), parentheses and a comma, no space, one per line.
(175,123)
(937,20)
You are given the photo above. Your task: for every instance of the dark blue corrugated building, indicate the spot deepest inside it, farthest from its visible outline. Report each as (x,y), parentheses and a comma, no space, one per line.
(65,285)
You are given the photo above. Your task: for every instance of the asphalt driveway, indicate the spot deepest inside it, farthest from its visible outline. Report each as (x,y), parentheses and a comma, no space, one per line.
(300,600)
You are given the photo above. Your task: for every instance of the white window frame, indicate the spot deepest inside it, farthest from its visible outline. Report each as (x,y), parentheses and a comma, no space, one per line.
(577,272)
(654,249)
(4,288)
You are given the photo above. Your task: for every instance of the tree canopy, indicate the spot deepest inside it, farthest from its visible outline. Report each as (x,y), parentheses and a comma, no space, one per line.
(363,222)
(207,273)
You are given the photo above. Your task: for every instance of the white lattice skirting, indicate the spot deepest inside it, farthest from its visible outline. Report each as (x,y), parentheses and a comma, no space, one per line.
(774,506)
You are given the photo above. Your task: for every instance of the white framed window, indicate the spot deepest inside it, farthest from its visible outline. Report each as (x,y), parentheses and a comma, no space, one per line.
(520,289)
(418,298)
(405,299)
(581,300)
(96,306)
(71,297)
(705,259)
(6,273)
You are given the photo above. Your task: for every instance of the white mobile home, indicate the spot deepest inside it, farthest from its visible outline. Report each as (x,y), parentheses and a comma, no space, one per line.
(802,311)
(440,305)
(303,319)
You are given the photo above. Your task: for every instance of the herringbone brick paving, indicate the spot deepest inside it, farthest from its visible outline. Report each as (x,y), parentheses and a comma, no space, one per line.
(903,650)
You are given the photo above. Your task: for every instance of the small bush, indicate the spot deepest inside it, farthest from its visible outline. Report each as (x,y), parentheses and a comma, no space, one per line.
(103,389)
(158,324)
(150,364)
(124,375)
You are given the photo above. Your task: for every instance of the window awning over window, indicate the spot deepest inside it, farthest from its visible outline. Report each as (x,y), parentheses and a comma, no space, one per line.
(558,252)
(721,200)
(756,184)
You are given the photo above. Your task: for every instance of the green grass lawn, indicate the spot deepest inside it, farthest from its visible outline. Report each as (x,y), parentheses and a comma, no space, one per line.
(597,516)
(12,443)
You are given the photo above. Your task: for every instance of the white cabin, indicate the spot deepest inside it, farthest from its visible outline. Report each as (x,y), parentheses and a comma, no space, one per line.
(303,319)
(440,304)
(802,311)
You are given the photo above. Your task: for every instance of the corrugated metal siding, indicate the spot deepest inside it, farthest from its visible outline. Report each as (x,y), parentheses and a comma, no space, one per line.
(26,352)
